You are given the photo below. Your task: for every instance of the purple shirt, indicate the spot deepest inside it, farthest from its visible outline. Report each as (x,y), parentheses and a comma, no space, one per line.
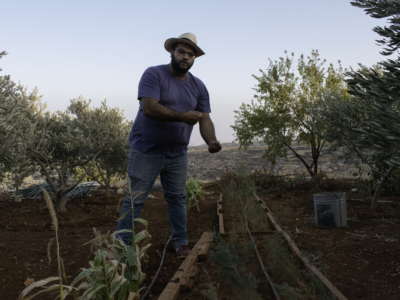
(168,138)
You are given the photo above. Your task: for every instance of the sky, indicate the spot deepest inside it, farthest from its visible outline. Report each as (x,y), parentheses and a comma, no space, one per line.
(100,49)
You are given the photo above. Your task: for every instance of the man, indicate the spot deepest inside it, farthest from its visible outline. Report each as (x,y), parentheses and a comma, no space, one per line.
(172,100)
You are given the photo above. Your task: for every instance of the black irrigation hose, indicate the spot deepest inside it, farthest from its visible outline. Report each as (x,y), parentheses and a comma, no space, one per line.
(158,271)
(259,257)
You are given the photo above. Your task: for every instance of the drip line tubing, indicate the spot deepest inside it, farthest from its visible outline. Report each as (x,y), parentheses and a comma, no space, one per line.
(158,271)
(259,257)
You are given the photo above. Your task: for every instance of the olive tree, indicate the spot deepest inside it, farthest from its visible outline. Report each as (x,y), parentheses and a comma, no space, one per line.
(280,112)
(113,161)
(16,124)
(21,165)
(370,119)
(72,139)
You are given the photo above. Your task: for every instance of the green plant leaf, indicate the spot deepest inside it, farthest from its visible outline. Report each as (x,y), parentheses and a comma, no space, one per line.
(143,221)
(97,260)
(83,274)
(124,215)
(131,255)
(33,285)
(90,292)
(122,231)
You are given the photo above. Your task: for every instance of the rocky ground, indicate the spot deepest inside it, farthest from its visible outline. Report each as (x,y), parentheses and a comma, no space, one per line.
(206,166)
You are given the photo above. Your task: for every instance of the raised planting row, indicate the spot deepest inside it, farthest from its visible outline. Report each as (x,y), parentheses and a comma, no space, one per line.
(227,213)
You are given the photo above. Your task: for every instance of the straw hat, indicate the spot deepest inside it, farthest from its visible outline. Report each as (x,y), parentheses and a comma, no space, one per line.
(187,38)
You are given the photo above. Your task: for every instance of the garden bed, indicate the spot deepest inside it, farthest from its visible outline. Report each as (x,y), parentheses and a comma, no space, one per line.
(361,260)
(25,229)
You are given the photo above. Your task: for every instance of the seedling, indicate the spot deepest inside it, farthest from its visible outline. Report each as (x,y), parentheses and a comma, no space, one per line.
(193,192)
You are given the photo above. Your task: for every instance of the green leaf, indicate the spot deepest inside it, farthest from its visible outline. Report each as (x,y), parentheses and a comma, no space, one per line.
(83,274)
(97,260)
(122,231)
(90,292)
(117,285)
(131,255)
(39,283)
(143,221)
(124,215)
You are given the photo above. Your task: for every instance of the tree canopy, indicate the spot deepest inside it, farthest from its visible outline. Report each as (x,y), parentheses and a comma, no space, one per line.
(74,138)
(281,110)
(370,119)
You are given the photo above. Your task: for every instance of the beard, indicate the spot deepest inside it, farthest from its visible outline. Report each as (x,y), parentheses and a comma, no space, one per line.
(177,67)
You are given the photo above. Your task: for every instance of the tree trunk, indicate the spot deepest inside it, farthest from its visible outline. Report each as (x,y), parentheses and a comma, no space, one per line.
(61,201)
(107,187)
(301,159)
(17,183)
(315,165)
(374,203)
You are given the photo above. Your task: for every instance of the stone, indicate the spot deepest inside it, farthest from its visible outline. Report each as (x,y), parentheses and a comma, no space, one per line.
(29,281)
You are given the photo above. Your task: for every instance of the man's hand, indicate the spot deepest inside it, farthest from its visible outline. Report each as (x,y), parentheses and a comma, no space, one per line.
(214,147)
(192,117)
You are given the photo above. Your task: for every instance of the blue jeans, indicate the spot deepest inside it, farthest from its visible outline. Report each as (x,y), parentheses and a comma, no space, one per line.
(143,169)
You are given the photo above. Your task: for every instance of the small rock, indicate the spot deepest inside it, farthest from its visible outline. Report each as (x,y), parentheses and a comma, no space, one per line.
(29,281)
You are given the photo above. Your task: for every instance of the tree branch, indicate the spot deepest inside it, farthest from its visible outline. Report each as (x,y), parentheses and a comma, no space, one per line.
(84,174)
(51,183)
(299,157)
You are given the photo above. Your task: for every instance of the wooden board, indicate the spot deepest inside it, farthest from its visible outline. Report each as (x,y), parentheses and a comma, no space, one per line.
(188,272)
(221,217)
(262,203)
(211,183)
(305,261)
(204,246)
(171,291)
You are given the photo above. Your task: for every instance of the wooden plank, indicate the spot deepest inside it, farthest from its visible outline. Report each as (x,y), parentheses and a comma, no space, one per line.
(187,282)
(171,291)
(205,247)
(262,203)
(221,217)
(188,272)
(184,268)
(305,260)
(211,183)
(194,272)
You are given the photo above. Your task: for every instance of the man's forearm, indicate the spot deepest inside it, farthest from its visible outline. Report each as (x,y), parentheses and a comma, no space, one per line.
(154,110)
(161,113)
(207,131)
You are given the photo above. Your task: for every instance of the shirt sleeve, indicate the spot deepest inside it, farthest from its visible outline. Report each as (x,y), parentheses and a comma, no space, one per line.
(203,103)
(149,85)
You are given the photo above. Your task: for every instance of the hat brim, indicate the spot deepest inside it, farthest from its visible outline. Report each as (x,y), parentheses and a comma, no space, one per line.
(170,42)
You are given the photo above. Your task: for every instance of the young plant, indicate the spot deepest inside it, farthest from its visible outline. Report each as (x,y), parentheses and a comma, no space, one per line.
(193,192)
(114,274)
(230,259)
(295,283)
